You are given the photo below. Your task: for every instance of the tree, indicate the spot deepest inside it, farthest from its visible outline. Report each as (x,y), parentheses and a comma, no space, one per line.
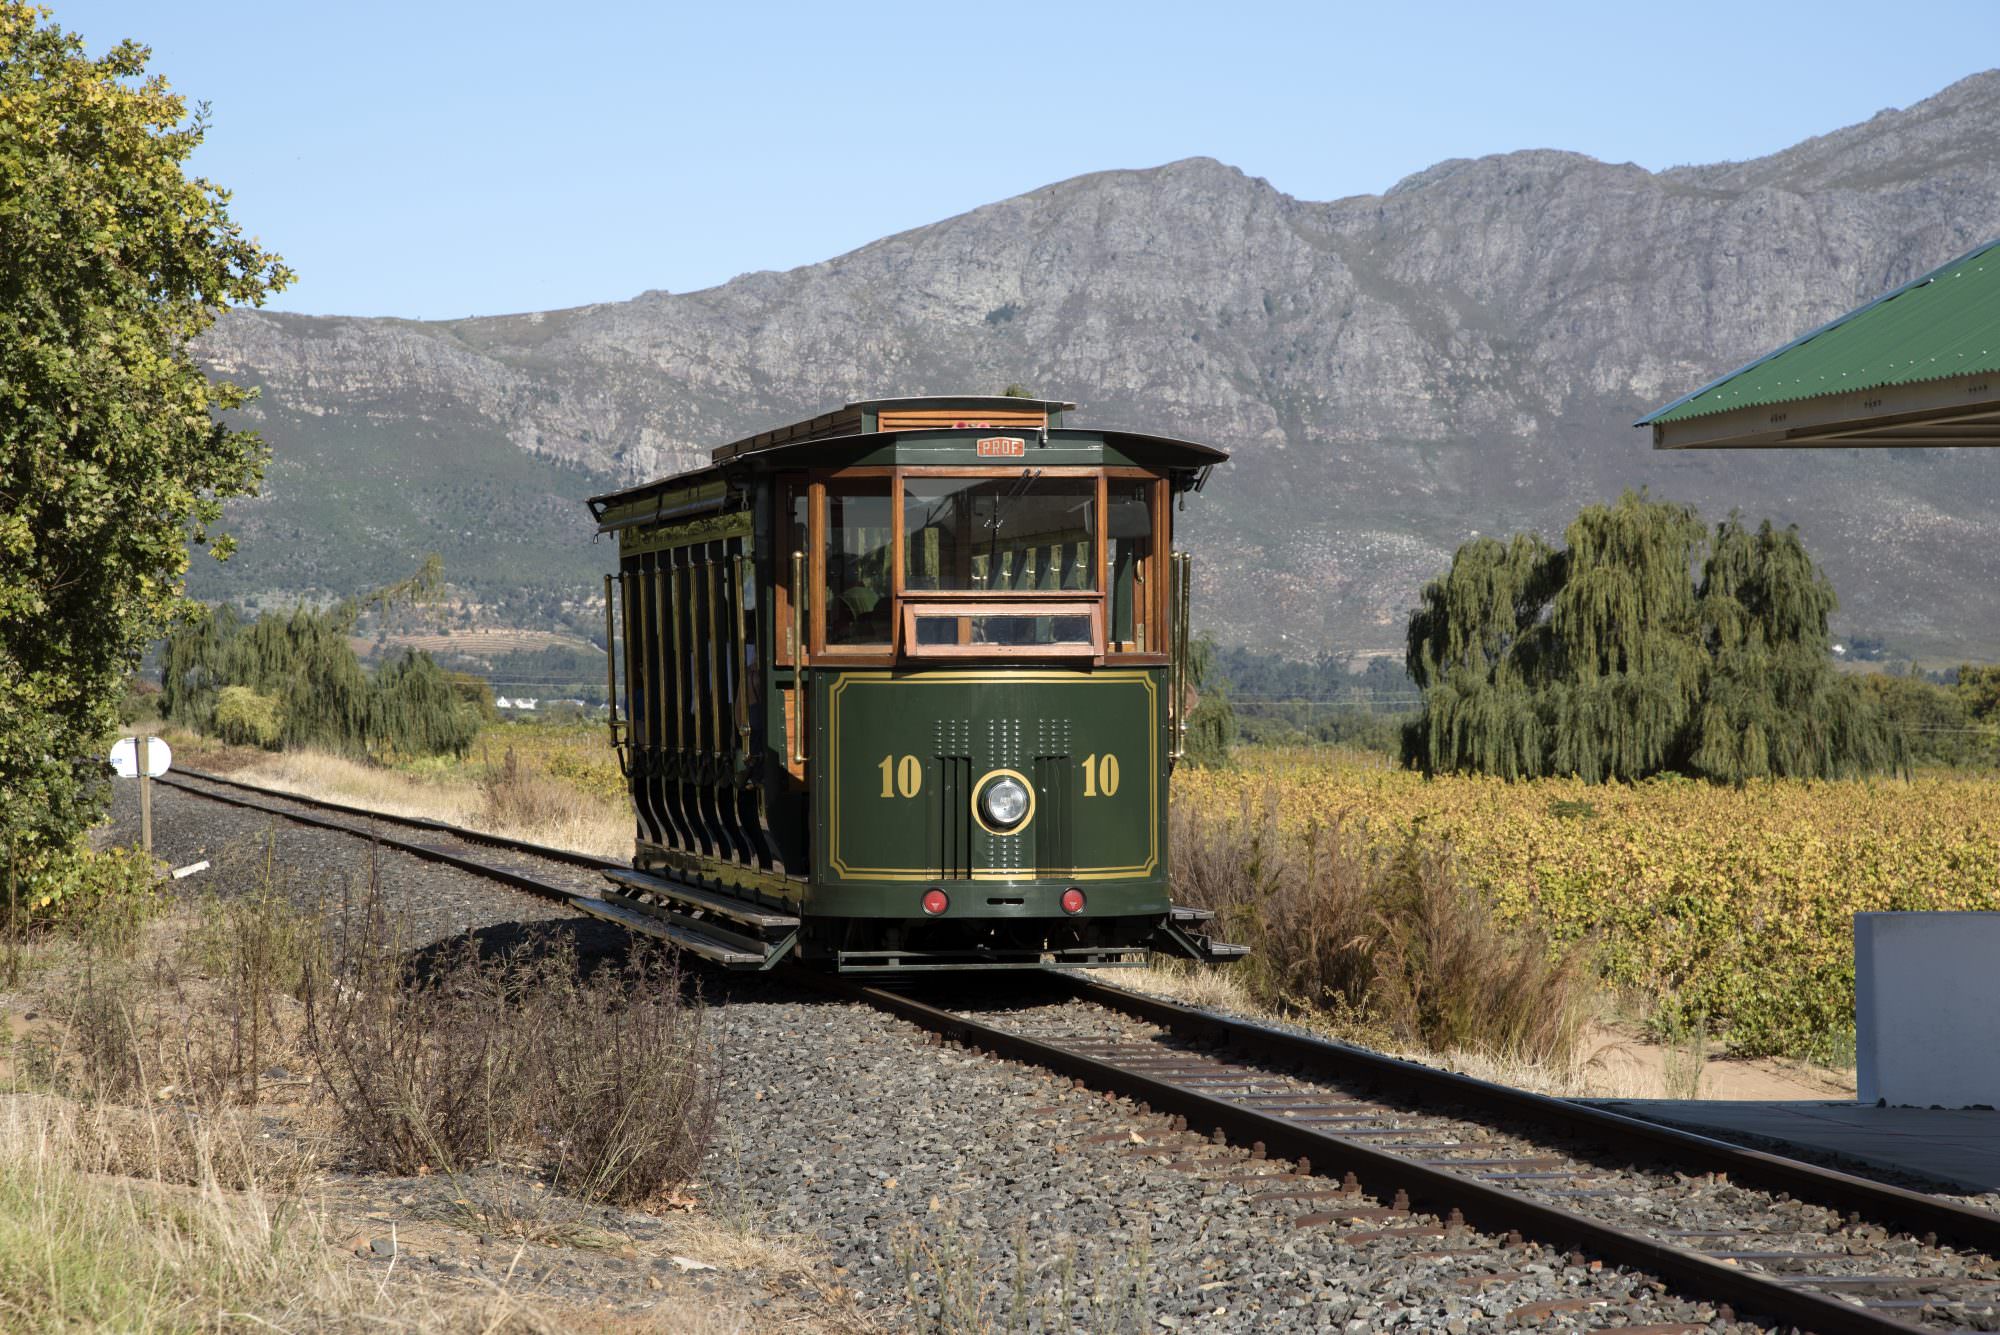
(1979,687)
(304,663)
(1608,659)
(1211,724)
(112,457)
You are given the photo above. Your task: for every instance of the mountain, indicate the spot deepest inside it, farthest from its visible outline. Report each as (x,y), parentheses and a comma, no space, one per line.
(1463,353)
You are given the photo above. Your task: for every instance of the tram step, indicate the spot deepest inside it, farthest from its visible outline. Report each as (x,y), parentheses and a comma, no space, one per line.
(724,906)
(687,938)
(1189,941)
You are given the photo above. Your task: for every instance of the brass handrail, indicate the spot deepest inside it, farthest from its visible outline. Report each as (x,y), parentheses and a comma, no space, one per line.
(714,664)
(611,669)
(798,658)
(742,659)
(679,664)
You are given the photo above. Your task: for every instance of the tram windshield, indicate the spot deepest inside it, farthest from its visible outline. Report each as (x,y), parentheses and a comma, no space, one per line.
(1027,534)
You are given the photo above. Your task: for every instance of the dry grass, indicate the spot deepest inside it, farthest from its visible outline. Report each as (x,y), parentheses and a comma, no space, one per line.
(1222,988)
(159,1172)
(452,1061)
(520,802)
(1380,940)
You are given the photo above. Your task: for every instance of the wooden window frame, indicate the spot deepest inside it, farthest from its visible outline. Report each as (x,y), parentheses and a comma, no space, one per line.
(852,655)
(1094,609)
(902,645)
(1157,654)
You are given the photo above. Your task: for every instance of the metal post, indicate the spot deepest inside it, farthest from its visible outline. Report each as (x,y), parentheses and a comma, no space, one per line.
(611,668)
(145,794)
(716,744)
(742,661)
(798,658)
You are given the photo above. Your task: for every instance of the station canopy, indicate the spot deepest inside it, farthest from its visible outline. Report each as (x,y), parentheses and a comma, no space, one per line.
(1917,367)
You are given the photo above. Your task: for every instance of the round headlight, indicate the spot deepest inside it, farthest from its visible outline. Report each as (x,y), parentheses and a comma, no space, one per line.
(1005,802)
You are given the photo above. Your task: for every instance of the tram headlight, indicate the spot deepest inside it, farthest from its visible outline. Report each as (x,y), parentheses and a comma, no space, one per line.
(1004,803)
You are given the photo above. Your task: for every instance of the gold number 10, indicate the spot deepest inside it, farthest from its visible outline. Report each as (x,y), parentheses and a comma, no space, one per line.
(905,776)
(1100,775)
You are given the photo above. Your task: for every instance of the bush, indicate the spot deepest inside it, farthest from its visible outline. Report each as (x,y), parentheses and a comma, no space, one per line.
(601,1078)
(1383,933)
(1731,904)
(621,1102)
(141,700)
(101,896)
(245,718)
(520,797)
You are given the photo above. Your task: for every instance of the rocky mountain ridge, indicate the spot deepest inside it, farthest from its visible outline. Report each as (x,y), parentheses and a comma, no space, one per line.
(1465,352)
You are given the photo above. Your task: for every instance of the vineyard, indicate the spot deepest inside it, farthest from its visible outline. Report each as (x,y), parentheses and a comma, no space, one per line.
(1723,906)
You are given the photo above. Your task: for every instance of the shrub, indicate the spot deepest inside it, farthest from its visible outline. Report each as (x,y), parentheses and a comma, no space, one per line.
(256,949)
(423,1074)
(520,797)
(1733,904)
(245,718)
(601,1078)
(103,897)
(1384,933)
(621,1099)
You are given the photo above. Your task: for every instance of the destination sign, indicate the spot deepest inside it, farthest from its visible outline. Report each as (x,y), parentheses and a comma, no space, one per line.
(1002,447)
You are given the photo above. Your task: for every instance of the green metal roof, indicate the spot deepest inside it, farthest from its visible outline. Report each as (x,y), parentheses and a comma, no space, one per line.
(1946,323)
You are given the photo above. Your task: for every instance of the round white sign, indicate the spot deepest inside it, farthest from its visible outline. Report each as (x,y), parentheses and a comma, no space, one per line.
(125,757)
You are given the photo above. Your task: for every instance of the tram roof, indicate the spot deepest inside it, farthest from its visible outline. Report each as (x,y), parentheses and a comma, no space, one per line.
(872,423)
(883,415)
(1918,366)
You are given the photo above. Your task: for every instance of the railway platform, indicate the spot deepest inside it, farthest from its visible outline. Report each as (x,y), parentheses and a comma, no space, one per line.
(1956,1148)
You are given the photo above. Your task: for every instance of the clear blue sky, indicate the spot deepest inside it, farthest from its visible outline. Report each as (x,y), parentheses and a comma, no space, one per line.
(437,160)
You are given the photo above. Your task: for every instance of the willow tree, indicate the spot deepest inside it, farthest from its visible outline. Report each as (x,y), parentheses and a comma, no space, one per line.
(1644,644)
(301,665)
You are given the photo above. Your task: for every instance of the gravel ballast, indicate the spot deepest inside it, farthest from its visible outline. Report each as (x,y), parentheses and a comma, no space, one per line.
(946,1187)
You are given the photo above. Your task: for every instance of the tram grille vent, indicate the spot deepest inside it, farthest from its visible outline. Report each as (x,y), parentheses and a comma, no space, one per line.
(950,825)
(1053,856)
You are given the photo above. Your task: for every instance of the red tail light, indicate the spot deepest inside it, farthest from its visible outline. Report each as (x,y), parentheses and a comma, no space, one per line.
(935,902)
(1072,900)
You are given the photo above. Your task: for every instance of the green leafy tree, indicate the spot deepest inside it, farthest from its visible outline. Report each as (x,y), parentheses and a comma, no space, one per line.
(1979,688)
(1934,721)
(1211,724)
(1610,660)
(112,457)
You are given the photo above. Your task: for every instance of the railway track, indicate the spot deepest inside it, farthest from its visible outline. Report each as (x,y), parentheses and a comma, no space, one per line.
(1481,1167)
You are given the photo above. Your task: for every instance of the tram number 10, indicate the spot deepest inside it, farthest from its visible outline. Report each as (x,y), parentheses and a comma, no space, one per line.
(1100,775)
(904,776)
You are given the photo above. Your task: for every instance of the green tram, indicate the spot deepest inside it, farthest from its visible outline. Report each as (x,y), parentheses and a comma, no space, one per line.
(902,686)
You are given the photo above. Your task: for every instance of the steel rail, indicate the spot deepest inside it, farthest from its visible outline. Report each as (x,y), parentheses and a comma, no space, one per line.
(519,880)
(1382,1173)
(1898,1208)
(570,856)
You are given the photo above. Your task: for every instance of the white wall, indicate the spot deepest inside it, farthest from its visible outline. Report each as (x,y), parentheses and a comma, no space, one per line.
(1927,1008)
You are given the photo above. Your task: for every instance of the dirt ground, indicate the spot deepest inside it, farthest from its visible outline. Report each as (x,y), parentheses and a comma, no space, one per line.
(1623,1064)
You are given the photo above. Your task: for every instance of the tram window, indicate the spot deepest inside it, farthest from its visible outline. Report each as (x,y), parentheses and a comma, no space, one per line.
(1003,629)
(1129,531)
(1026,533)
(860,543)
